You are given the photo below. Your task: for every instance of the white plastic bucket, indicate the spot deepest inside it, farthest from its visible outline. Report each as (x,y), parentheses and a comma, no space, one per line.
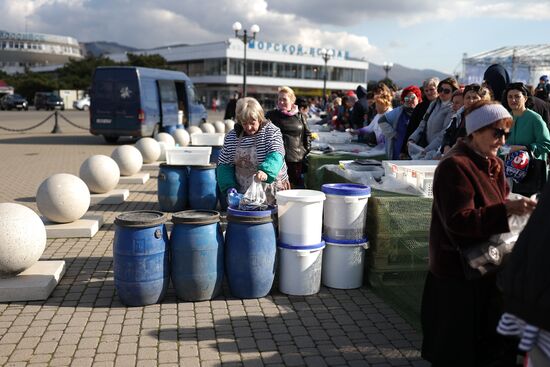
(300,269)
(343,264)
(345,213)
(300,216)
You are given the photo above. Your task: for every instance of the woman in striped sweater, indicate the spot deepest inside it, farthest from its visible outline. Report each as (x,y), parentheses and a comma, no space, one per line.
(252,150)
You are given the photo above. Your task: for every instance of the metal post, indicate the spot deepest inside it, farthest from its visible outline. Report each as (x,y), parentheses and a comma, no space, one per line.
(326,55)
(325,82)
(245,37)
(245,40)
(56,129)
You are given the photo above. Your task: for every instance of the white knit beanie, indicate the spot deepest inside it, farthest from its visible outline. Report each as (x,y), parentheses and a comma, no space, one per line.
(484,116)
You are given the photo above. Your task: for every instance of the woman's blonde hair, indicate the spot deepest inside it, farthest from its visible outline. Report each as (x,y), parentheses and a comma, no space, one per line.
(249,109)
(384,98)
(288,91)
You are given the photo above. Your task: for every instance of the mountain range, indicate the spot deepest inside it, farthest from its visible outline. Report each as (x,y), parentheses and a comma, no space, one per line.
(401,75)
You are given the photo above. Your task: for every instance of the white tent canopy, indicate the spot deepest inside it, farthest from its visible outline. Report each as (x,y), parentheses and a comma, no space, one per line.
(524,63)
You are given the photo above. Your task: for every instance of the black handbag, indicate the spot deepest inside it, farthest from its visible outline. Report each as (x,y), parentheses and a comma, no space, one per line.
(483,258)
(535,179)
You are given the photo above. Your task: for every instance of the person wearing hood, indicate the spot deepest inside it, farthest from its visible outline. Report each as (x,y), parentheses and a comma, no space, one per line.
(496,78)
(360,110)
(296,134)
(427,138)
(394,123)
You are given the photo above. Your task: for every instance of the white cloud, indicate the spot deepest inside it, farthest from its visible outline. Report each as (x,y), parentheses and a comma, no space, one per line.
(150,23)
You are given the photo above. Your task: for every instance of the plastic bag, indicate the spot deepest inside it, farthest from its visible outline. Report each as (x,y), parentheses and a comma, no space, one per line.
(254,198)
(416,151)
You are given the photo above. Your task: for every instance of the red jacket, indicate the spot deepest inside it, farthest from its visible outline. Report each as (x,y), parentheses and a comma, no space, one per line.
(469,195)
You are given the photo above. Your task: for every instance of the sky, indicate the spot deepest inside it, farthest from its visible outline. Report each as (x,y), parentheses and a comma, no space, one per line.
(422,34)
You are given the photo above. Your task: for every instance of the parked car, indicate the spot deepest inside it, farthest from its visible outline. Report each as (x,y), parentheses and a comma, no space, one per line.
(82,104)
(11,101)
(48,101)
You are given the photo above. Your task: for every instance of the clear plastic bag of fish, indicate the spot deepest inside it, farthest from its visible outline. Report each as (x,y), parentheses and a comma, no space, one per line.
(254,198)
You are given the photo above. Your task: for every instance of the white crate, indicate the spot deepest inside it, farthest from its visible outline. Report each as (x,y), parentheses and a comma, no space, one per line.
(188,156)
(208,139)
(418,173)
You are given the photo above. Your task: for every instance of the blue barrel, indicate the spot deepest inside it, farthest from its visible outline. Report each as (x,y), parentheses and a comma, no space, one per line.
(223,199)
(251,247)
(173,187)
(196,245)
(171,129)
(140,257)
(215,154)
(202,187)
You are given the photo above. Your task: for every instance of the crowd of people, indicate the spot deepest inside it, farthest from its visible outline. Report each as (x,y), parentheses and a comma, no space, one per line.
(466,128)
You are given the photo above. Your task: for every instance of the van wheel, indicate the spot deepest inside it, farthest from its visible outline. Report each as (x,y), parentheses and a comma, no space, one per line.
(110,138)
(156,131)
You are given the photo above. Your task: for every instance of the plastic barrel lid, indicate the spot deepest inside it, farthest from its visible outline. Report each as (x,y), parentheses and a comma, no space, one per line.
(300,195)
(343,242)
(205,166)
(172,165)
(196,217)
(249,213)
(345,189)
(316,246)
(141,218)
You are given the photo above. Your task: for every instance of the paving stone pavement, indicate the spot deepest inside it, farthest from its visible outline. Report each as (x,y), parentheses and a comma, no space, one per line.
(84,324)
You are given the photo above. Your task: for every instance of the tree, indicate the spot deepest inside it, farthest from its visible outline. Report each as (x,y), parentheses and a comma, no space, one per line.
(149,61)
(77,74)
(29,83)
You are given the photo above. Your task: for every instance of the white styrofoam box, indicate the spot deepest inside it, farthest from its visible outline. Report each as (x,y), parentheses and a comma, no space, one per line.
(208,139)
(334,137)
(396,168)
(418,173)
(188,156)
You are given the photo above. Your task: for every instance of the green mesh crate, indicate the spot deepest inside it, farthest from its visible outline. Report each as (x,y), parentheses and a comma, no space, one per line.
(398,253)
(402,290)
(402,216)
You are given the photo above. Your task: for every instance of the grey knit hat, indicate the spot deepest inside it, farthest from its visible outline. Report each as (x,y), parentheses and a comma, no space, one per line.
(484,116)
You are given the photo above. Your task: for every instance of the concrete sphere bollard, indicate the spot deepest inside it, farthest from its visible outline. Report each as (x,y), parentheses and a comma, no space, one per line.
(128,159)
(63,198)
(162,156)
(182,137)
(194,130)
(149,149)
(208,128)
(100,173)
(219,126)
(22,238)
(229,125)
(167,139)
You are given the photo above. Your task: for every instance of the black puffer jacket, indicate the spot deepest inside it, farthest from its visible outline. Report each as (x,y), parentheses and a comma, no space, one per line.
(525,280)
(296,134)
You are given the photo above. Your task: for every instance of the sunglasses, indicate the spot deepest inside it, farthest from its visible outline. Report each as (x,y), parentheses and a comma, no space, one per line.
(444,90)
(409,98)
(499,133)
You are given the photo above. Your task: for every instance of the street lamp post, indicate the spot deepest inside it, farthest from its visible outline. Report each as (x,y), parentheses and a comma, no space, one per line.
(245,38)
(387,67)
(326,55)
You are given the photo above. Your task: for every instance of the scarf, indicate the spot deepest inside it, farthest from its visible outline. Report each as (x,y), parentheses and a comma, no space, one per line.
(292,112)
